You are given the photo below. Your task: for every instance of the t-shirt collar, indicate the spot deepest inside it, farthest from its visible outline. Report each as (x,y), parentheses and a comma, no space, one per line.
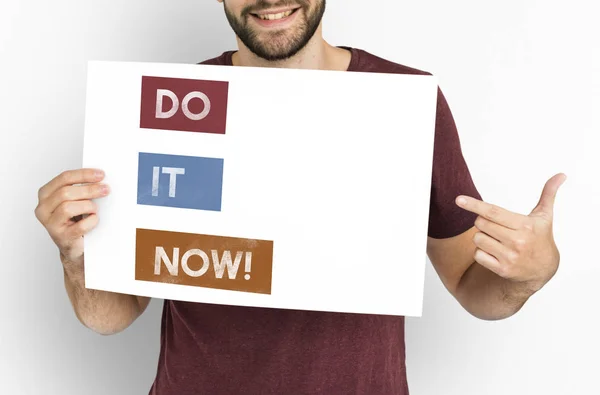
(353,66)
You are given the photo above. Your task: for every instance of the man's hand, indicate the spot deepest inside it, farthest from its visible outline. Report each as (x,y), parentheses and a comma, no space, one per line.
(518,248)
(60,204)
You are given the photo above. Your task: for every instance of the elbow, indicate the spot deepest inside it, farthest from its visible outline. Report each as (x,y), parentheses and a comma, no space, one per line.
(106,331)
(490,315)
(488,311)
(107,325)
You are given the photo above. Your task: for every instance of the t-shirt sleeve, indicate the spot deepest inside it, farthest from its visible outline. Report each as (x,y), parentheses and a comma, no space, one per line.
(450,178)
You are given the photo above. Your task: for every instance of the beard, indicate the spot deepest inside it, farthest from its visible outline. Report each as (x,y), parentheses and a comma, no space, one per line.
(280,44)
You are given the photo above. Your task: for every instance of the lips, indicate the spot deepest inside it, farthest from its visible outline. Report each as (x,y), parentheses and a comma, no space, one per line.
(274,18)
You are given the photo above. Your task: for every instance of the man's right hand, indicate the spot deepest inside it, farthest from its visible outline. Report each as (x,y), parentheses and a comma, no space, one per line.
(67,211)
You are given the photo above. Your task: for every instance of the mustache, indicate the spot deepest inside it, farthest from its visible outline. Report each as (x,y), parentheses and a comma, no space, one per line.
(262,5)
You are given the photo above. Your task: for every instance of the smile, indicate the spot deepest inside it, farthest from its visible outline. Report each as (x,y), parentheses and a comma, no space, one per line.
(274,15)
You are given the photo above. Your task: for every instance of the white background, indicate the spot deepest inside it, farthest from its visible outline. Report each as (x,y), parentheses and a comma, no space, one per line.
(522,78)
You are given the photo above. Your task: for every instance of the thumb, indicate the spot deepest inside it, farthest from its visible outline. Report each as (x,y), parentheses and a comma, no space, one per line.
(546,203)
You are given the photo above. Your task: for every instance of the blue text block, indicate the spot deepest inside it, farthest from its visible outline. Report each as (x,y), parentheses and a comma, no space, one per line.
(180,181)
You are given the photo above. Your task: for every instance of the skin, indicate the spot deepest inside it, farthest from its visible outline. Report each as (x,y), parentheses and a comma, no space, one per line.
(492,269)
(59,201)
(496,266)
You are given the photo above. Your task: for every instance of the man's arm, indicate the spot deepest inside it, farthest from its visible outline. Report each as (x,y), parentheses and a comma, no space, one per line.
(493,268)
(481,292)
(106,313)
(62,203)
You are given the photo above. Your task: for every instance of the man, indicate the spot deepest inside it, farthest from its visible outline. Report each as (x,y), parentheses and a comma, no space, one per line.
(491,260)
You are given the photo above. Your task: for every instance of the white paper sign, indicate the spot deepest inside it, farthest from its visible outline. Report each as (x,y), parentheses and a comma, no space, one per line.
(296,189)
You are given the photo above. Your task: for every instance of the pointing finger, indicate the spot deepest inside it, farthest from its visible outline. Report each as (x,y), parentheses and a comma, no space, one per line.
(491,212)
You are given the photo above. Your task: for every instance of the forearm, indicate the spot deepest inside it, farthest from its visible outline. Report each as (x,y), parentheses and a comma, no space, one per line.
(488,296)
(103,312)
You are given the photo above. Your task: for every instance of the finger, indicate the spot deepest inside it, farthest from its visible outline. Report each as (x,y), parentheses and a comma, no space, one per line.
(546,203)
(70,237)
(70,177)
(82,227)
(70,193)
(66,211)
(488,261)
(491,212)
(498,232)
(492,246)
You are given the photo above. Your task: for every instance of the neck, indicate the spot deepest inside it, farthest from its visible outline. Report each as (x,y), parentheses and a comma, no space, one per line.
(317,55)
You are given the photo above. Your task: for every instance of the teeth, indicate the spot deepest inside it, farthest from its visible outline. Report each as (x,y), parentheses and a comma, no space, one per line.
(272,17)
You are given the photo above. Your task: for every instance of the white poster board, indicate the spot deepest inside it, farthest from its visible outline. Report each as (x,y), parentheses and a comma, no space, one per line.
(295,189)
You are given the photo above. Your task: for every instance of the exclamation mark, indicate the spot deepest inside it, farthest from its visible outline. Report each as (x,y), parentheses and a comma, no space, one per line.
(248,265)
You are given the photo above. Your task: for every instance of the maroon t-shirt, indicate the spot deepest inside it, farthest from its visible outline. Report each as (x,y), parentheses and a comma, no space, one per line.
(228,350)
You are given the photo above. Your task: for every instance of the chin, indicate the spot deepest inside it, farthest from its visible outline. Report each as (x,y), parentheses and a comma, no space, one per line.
(276,48)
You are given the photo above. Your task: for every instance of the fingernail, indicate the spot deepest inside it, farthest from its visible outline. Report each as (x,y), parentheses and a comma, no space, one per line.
(104,189)
(99,174)
(461,201)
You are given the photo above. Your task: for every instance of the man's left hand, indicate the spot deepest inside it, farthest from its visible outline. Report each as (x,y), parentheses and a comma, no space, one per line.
(519,248)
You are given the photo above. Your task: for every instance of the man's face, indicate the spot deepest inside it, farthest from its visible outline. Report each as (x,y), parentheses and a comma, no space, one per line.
(274,29)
